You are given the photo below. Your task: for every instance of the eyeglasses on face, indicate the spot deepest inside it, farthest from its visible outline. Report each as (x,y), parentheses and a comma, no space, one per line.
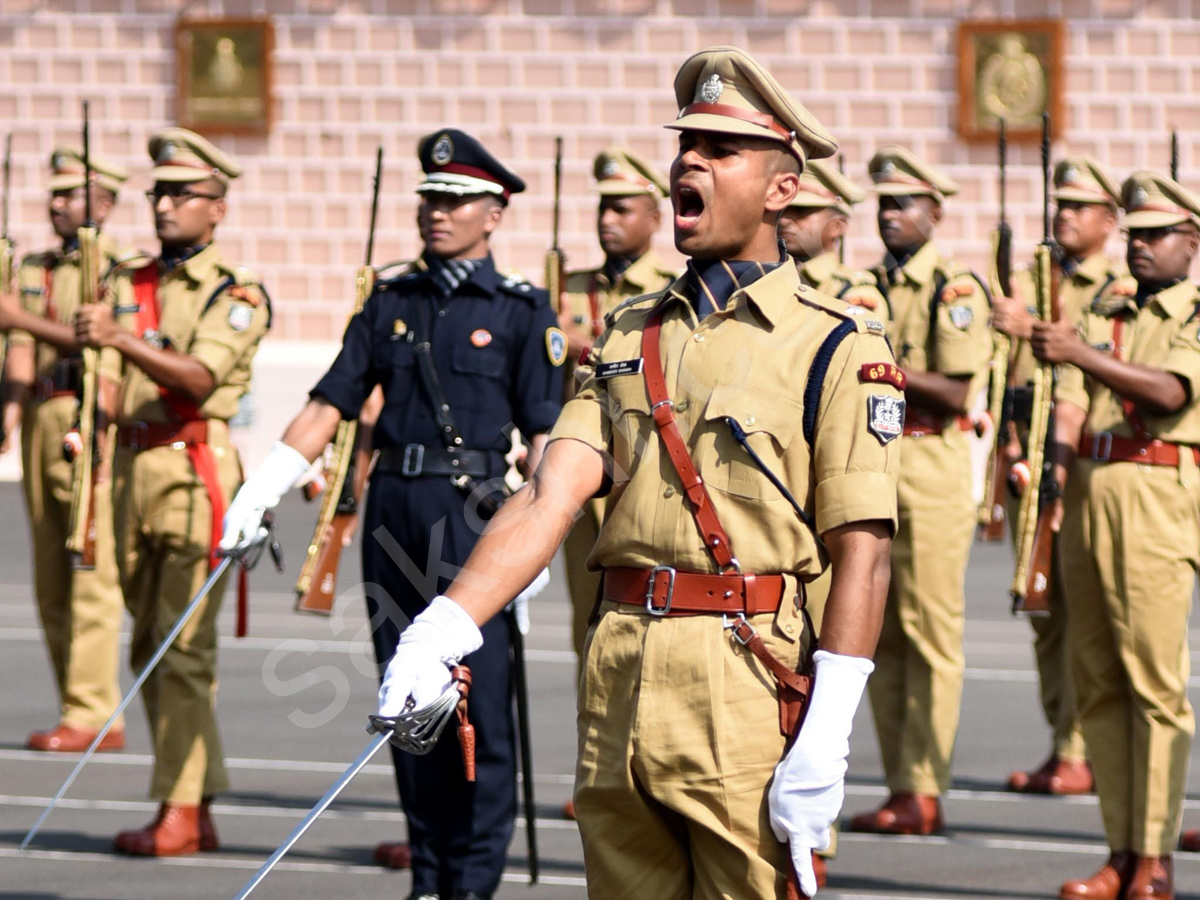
(177,194)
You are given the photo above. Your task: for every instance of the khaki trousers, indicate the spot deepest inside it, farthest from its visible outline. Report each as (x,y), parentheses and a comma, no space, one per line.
(1056,687)
(163,528)
(678,739)
(80,611)
(1129,546)
(917,685)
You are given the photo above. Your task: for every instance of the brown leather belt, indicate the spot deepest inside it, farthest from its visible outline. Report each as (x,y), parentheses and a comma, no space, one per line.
(665,591)
(148,435)
(1108,447)
(917,424)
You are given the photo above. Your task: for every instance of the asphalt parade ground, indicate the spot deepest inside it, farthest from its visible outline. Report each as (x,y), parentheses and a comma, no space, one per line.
(293,703)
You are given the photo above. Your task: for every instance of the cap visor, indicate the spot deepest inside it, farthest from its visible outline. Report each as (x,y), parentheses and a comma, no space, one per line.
(459,185)
(181,174)
(805,200)
(892,189)
(65,182)
(724,125)
(615,188)
(1153,219)
(1078,196)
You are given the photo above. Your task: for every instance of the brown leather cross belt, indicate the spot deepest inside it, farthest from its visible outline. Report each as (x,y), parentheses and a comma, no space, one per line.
(664,591)
(148,435)
(1108,447)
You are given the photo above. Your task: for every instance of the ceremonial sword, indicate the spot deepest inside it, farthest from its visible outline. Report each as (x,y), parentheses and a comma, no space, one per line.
(213,577)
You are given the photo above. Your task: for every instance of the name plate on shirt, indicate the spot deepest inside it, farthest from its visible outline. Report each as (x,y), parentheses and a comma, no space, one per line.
(620,367)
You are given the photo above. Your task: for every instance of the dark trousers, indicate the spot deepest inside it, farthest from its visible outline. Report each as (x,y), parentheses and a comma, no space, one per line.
(459,832)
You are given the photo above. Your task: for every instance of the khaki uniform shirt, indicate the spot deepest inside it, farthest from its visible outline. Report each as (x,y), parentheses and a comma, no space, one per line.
(827,275)
(1094,276)
(210,310)
(1163,334)
(645,275)
(948,333)
(751,362)
(50,283)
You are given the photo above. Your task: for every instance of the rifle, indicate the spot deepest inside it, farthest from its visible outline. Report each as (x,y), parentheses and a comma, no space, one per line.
(556,261)
(842,242)
(7,248)
(80,445)
(992,511)
(1174,155)
(317,584)
(1035,541)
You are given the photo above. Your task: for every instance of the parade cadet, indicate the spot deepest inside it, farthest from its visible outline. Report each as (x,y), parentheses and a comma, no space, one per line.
(189,325)
(1086,200)
(1128,432)
(679,722)
(628,217)
(80,609)
(461,352)
(814,225)
(943,345)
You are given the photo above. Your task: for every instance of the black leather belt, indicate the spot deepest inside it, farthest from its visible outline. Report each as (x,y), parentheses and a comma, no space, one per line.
(413,460)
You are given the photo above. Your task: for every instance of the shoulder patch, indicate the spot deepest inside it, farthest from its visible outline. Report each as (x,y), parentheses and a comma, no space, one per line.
(241,316)
(556,346)
(883,373)
(961,316)
(885,417)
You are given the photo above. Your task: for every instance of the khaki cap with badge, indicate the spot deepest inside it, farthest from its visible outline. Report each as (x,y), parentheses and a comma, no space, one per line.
(180,155)
(724,89)
(622,173)
(896,172)
(1155,201)
(822,187)
(1083,180)
(67,171)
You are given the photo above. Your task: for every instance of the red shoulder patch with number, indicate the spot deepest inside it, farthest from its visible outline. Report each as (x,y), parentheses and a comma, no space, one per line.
(884,373)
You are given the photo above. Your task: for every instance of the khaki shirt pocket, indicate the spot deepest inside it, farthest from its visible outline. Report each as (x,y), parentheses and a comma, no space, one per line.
(771,422)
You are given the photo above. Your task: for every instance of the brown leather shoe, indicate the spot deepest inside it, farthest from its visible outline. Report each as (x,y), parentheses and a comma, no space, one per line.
(393,856)
(208,829)
(569,810)
(66,738)
(1153,879)
(1189,841)
(174,832)
(904,813)
(1056,776)
(820,869)
(1107,883)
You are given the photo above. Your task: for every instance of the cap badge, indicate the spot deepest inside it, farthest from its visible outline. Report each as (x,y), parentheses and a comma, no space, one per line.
(58,161)
(711,90)
(165,153)
(1070,175)
(611,168)
(443,150)
(887,168)
(1140,196)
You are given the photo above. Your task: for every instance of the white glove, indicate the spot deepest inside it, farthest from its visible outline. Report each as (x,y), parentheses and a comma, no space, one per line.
(809,785)
(520,603)
(282,468)
(435,641)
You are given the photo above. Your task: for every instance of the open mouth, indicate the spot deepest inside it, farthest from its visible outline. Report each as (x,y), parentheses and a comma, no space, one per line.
(689,206)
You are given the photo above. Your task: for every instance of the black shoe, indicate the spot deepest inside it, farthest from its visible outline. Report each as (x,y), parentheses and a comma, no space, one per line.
(415,896)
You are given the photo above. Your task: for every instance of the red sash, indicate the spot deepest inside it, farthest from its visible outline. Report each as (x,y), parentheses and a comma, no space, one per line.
(204,462)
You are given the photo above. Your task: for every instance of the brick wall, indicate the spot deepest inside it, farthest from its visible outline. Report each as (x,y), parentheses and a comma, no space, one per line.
(355,73)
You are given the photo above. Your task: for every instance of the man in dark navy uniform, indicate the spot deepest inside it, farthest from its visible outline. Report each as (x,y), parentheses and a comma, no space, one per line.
(460,351)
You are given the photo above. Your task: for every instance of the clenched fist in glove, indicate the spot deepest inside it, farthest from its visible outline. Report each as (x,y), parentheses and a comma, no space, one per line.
(436,640)
(263,490)
(807,791)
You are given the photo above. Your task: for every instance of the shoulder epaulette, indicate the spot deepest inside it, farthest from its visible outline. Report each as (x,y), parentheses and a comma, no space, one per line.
(139,260)
(515,285)
(38,258)
(394,269)
(1115,297)
(864,322)
(649,300)
(958,282)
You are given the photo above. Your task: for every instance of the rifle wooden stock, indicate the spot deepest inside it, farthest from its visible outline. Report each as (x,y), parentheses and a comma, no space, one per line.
(992,514)
(81,534)
(1037,587)
(555,279)
(317,584)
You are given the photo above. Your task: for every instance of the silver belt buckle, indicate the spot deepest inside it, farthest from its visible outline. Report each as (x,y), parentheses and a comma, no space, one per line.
(414,459)
(1102,440)
(666,608)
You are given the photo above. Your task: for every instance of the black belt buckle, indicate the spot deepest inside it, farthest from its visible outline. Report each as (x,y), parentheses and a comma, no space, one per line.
(653,610)
(414,459)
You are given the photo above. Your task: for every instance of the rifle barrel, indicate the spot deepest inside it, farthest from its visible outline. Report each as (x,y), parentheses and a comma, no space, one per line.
(558,154)
(1046,176)
(1003,149)
(7,182)
(87,169)
(374,204)
(1174,155)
